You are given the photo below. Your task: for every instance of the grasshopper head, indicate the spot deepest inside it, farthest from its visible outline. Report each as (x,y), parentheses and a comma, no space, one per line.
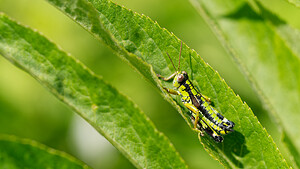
(180,78)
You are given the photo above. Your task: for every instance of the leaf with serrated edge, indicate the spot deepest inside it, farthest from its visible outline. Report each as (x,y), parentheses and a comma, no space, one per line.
(129,34)
(267,50)
(109,112)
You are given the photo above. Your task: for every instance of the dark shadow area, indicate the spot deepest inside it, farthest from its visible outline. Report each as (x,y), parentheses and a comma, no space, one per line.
(247,12)
(234,143)
(269,16)
(233,146)
(244,12)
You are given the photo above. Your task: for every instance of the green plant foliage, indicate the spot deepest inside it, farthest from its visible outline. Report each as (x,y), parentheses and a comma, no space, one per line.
(129,34)
(24,153)
(267,50)
(109,112)
(295,2)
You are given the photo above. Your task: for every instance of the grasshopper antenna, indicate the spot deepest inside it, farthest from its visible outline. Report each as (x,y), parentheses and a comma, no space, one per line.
(179,57)
(171,60)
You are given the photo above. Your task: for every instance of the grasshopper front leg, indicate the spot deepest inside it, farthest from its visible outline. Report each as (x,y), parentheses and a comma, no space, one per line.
(166,78)
(171,91)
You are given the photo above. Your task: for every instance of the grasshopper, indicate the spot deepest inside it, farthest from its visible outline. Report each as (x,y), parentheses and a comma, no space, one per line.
(202,114)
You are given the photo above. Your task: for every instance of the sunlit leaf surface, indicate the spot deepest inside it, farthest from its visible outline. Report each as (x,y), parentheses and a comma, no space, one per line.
(130,34)
(109,112)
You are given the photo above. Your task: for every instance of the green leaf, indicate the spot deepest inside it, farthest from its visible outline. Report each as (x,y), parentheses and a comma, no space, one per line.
(24,153)
(130,34)
(267,50)
(110,113)
(294,2)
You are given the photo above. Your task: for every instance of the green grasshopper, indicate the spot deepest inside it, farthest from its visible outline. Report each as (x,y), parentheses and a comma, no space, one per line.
(203,115)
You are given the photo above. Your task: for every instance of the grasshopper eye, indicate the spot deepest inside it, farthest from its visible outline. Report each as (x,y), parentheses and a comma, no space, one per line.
(185,75)
(180,78)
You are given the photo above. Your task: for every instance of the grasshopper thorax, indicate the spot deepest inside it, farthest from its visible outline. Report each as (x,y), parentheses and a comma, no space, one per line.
(180,78)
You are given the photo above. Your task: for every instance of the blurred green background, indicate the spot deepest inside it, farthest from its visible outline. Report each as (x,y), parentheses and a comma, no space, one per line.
(28,110)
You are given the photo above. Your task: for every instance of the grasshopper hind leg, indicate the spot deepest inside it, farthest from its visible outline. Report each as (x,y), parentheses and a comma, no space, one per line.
(228,125)
(202,126)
